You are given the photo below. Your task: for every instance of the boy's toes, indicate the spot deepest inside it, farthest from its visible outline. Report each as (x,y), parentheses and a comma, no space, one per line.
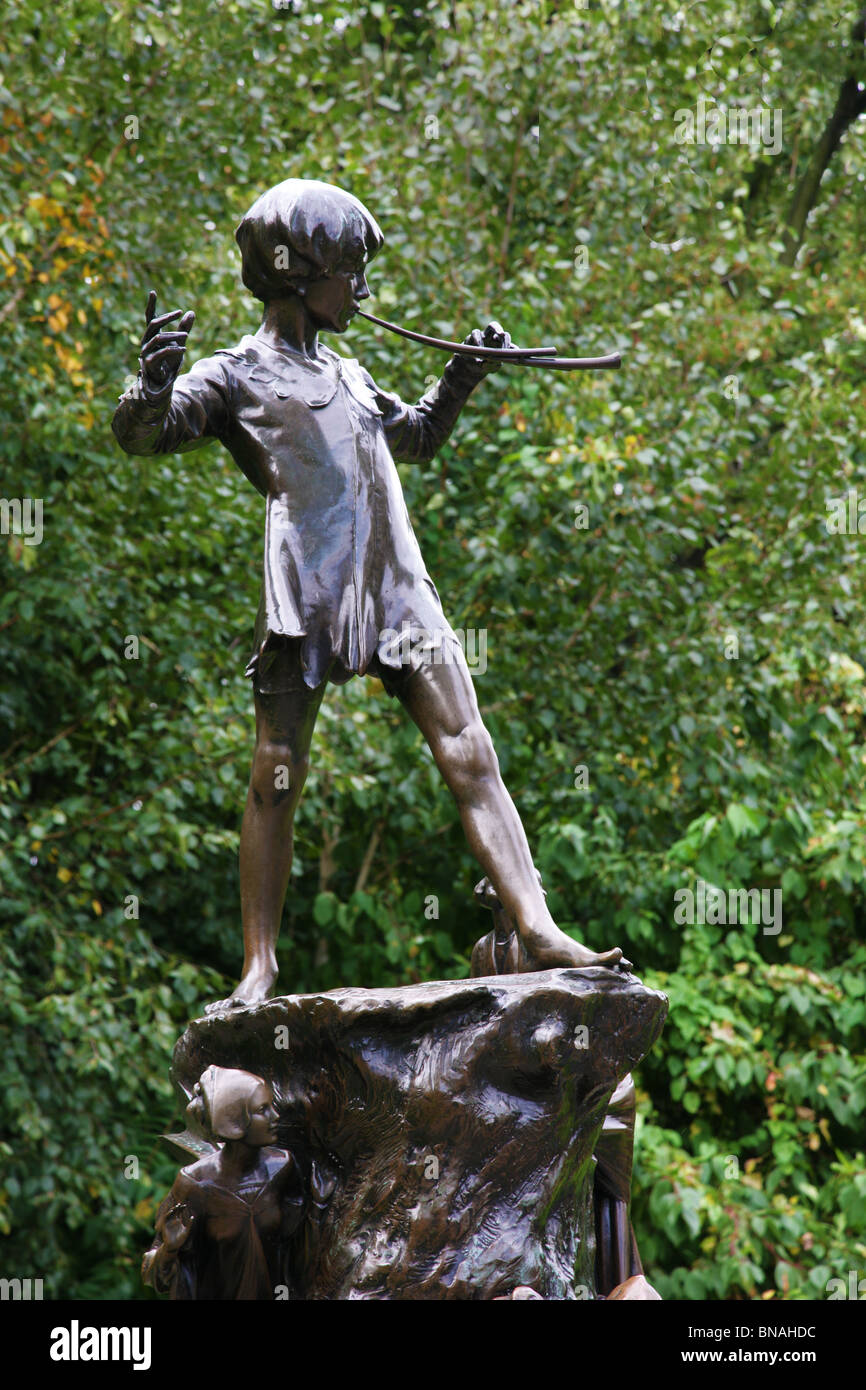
(220,1005)
(615,960)
(612,957)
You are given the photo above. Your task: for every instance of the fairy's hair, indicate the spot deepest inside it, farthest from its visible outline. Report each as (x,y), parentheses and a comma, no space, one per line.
(220,1105)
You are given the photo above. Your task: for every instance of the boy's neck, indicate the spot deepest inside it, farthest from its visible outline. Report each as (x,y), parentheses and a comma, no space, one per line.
(286,324)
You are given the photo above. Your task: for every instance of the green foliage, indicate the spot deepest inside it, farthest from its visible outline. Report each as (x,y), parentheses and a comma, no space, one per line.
(696,646)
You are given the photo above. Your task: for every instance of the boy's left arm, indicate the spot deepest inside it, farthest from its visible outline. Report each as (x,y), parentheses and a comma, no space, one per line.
(417,432)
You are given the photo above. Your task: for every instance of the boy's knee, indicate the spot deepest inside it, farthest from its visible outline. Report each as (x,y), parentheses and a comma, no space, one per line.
(278,774)
(469,754)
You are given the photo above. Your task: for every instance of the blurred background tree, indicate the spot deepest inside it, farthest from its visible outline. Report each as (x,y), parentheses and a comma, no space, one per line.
(674,623)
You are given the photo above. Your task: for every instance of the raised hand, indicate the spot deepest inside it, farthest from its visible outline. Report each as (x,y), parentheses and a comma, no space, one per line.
(493,336)
(161,354)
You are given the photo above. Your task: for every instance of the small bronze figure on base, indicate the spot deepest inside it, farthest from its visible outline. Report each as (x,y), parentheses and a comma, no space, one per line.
(223,1230)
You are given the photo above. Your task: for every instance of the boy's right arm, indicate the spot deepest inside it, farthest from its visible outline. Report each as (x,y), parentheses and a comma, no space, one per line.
(163,413)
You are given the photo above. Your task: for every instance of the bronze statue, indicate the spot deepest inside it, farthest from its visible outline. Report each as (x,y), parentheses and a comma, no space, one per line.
(343,572)
(223,1230)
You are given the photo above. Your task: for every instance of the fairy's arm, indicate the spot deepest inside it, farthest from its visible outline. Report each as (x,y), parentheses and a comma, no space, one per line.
(175,1225)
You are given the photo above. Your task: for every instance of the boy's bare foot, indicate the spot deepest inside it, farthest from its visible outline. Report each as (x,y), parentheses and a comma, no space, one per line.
(548,948)
(255,987)
(509,951)
(504,952)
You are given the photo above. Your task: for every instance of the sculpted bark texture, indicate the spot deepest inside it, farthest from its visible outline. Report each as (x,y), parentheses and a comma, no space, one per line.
(458,1119)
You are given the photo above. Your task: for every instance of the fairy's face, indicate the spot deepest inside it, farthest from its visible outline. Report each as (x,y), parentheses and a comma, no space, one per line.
(262,1128)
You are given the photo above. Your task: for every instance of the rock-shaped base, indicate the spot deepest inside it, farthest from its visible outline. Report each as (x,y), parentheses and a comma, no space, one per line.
(459,1120)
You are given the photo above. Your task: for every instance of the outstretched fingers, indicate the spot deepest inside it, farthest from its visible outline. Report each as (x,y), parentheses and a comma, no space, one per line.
(153,325)
(162,349)
(156,326)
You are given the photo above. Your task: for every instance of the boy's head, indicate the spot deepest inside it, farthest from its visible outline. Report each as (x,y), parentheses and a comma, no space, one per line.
(302,231)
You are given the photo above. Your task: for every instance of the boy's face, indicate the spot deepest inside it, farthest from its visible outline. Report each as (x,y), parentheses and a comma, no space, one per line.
(333,301)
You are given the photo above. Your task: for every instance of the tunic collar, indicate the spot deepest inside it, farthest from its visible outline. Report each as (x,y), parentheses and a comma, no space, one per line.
(289,375)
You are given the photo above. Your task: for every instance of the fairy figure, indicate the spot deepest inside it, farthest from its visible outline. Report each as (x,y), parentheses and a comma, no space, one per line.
(224,1230)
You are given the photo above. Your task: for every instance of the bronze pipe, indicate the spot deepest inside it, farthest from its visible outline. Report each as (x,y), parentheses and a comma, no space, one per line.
(528,357)
(463,349)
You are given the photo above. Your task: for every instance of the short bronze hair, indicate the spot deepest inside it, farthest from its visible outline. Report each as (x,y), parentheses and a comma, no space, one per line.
(301,230)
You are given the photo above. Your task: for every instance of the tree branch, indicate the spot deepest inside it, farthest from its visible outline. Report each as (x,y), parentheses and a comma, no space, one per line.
(850,103)
(372,846)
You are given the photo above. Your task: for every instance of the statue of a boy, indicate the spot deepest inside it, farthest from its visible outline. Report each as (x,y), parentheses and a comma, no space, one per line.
(342,568)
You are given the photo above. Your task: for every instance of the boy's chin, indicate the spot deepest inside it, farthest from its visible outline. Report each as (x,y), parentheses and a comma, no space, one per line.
(323,325)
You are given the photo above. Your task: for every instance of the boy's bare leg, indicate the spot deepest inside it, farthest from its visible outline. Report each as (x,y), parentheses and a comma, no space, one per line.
(284,731)
(441,700)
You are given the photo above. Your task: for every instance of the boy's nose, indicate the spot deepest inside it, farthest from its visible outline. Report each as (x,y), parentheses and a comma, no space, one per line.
(362,289)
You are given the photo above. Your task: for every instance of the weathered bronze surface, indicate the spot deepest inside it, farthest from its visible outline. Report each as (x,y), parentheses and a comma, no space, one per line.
(343,573)
(456,1123)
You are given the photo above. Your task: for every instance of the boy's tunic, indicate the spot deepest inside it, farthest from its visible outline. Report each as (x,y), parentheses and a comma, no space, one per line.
(342,568)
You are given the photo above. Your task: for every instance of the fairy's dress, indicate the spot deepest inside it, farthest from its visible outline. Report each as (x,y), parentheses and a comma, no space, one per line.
(238,1237)
(342,567)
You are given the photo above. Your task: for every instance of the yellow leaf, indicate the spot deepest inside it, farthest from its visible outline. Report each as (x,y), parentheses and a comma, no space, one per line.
(64,875)
(69,361)
(97,907)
